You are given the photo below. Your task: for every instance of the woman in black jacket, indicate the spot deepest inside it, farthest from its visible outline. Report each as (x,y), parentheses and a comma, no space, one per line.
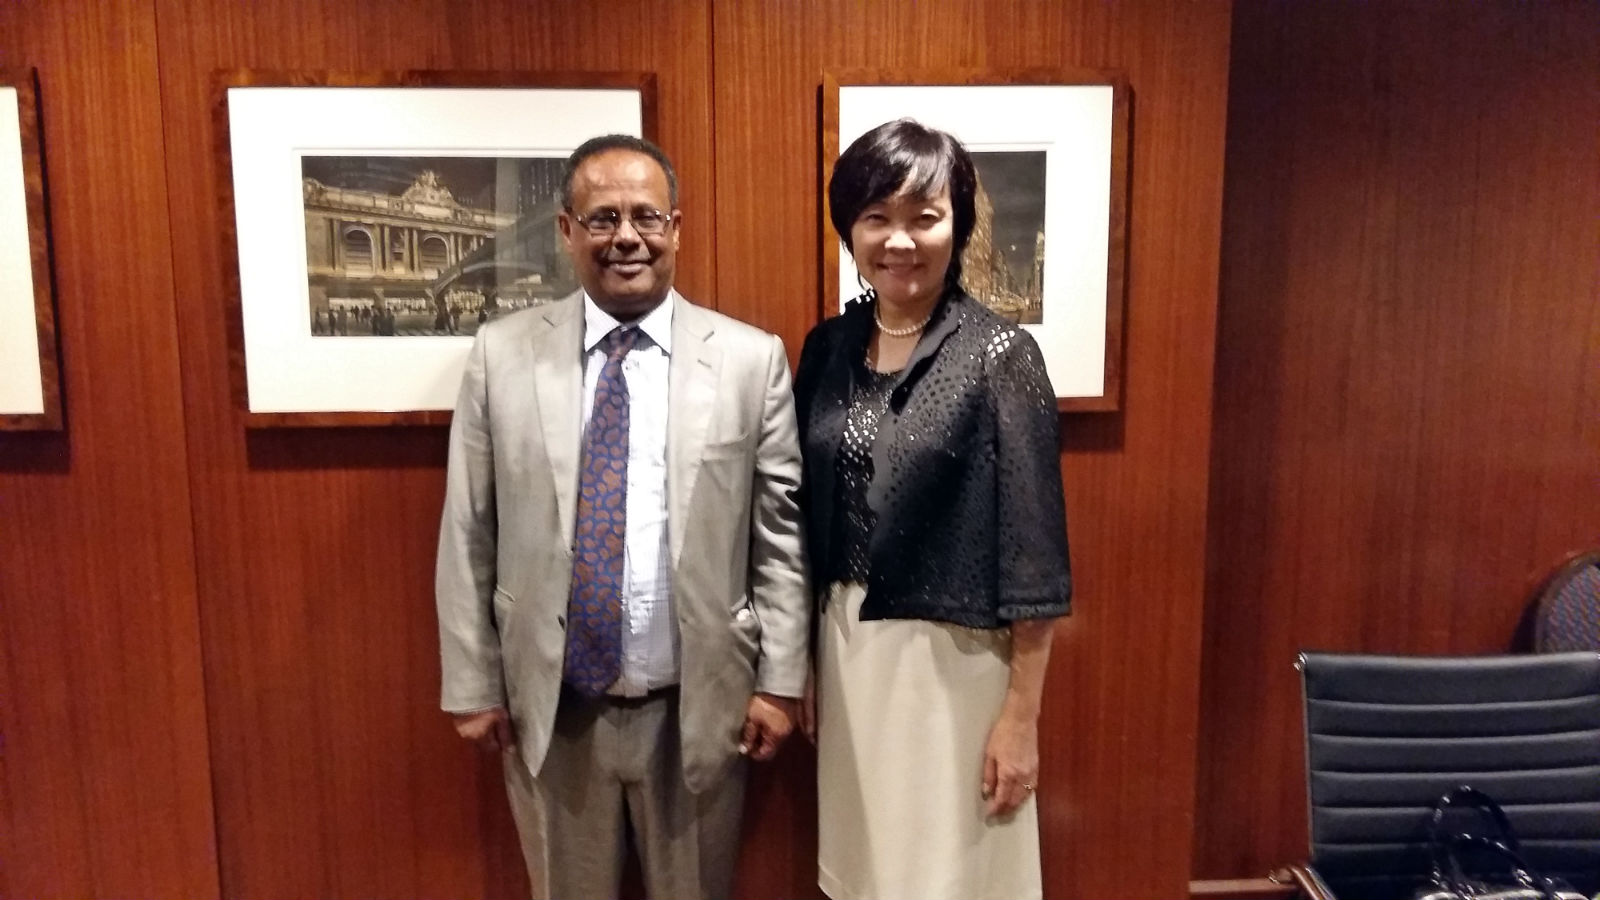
(938,541)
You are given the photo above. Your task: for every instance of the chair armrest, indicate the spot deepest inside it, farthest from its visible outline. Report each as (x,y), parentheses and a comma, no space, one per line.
(1306,880)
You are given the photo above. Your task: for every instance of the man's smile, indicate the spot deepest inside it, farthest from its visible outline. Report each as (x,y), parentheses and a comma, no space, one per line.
(627,267)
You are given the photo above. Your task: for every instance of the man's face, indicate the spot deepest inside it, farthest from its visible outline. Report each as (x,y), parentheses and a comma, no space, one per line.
(626,273)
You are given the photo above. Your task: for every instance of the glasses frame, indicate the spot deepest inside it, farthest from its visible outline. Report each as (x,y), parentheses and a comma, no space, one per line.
(610,229)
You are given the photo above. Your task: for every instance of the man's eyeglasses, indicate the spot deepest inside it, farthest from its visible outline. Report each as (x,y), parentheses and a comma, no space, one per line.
(605,222)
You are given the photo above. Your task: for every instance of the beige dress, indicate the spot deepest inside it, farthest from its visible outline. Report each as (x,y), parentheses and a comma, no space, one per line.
(904,708)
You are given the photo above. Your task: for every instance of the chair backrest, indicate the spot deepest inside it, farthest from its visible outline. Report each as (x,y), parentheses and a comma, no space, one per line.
(1568,616)
(1387,735)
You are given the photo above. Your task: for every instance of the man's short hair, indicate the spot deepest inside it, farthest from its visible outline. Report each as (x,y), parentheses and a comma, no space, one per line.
(608,142)
(905,155)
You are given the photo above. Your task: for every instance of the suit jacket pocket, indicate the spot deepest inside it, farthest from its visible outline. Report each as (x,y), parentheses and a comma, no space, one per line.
(504,603)
(747,632)
(732,448)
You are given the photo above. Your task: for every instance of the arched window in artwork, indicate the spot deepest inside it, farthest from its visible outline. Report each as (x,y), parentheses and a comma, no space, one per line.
(357,250)
(435,253)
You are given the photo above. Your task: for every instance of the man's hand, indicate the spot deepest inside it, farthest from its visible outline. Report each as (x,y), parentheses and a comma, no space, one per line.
(490,729)
(768,719)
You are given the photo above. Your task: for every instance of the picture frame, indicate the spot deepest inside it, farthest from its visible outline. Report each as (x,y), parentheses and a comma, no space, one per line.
(1050,246)
(375,219)
(30,372)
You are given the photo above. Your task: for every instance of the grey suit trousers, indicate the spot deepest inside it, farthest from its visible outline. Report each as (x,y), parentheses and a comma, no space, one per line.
(613,777)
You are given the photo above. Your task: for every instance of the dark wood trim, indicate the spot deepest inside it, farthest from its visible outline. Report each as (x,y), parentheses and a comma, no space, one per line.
(643,82)
(225,79)
(830,152)
(960,77)
(222,153)
(342,419)
(26,83)
(1240,888)
(1117,243)
(1116,251)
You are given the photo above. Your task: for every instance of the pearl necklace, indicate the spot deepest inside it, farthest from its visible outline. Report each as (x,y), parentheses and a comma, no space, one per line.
(907,331)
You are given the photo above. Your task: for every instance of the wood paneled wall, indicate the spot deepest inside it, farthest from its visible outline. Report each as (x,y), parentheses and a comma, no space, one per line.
(1119,726)
(104,775)
(1407,426)
(306,756)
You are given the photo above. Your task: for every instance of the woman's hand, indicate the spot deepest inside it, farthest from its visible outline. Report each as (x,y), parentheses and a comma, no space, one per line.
(1011,758)
(1010,762)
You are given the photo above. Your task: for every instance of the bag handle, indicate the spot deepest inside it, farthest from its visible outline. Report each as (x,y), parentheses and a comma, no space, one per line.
(1459,882)
(1517,866)
(1443,847)
(1468,797)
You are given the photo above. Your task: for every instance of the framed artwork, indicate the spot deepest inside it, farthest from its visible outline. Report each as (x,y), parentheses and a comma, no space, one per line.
(1048,250)
(30,374)
(380,218)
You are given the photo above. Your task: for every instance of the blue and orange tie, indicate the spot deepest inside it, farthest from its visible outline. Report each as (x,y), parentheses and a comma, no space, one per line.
(594,612)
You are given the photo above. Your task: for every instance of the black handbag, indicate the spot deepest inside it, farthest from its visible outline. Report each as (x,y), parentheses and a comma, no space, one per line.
(1497,870)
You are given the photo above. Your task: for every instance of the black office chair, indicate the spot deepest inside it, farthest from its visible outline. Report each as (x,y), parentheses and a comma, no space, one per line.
(1387,735)
(1568,607)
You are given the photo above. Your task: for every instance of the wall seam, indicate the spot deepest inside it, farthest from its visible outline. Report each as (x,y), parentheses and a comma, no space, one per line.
(189,466)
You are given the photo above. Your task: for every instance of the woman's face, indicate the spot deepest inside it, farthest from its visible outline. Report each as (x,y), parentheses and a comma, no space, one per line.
(902,246)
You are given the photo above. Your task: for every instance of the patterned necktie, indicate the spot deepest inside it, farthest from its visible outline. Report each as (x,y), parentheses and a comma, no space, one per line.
(594,612)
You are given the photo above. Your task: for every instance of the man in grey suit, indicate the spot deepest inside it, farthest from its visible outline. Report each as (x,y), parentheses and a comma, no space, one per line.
(621,578)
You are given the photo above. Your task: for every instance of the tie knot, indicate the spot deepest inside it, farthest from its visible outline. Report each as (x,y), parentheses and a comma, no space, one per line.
(618,341)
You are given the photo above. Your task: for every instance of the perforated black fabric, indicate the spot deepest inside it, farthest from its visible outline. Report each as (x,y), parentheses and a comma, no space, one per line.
(965,480)
(854,517)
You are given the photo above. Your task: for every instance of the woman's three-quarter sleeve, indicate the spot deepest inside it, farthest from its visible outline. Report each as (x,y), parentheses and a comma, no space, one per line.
(1031,522)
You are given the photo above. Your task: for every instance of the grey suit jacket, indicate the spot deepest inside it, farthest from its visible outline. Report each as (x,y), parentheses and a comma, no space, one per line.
(734,530)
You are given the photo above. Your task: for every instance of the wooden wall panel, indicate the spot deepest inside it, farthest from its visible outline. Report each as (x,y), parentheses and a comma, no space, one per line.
(336,775)
(104,787)
(1408,361)
(1120,721)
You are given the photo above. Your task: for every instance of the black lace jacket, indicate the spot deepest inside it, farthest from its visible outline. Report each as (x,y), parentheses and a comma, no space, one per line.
(966,486)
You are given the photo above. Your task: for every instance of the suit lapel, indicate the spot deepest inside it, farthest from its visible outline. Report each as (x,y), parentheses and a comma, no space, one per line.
(558,388)
(691,397)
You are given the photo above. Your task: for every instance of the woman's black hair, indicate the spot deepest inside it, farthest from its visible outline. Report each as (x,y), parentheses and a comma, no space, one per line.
(905,155)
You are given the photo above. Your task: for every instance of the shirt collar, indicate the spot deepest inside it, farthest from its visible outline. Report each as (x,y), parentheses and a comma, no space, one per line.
(656,325)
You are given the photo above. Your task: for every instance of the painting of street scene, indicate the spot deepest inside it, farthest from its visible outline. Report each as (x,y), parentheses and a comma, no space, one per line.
(422,246)
(1003,264)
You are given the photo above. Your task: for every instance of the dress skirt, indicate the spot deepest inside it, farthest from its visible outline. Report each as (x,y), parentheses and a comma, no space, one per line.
(904,708)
